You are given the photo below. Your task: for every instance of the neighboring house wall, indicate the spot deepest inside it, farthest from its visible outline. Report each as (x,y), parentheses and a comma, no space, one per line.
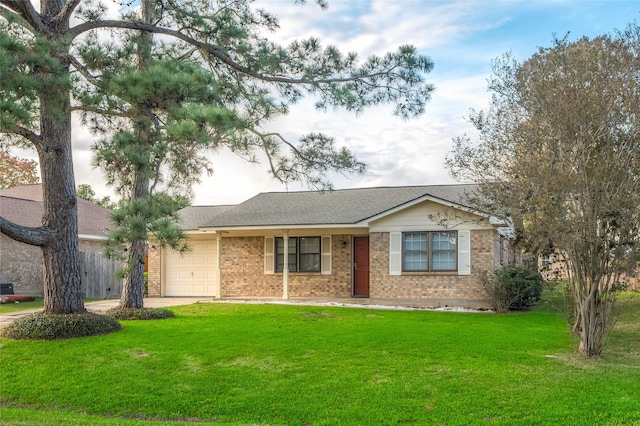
(21,266)
(554,269)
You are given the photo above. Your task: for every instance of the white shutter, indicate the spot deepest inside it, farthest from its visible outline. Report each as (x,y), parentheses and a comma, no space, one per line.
(269,255)
(395,253)
(464,252)
(326,254)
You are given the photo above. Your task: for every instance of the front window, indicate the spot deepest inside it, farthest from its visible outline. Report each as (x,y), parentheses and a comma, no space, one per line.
(304,254)
(429,251)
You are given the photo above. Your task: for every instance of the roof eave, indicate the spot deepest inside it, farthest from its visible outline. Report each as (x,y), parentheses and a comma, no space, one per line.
(283,226)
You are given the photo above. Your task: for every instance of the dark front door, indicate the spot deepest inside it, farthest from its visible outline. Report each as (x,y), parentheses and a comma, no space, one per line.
(361,266)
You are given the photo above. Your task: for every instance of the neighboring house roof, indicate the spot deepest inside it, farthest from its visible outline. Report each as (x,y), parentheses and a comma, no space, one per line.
(31,192)
(338,207)
(22,205)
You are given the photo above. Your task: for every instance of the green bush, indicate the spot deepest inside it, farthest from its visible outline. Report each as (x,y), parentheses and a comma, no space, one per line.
(40,326)
(139,314)
(513,288)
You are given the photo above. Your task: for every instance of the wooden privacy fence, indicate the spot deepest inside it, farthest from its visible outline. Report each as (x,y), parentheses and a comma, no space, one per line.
(99,276)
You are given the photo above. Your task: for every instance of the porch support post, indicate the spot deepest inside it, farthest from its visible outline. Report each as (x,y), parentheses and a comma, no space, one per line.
(218,288)
(285,267)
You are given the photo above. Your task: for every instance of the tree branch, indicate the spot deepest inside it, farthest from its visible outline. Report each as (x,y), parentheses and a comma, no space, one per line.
(211,50)
(29,135)
(83,70)
(25,9)
(67,10)
(14,17)
(33,236)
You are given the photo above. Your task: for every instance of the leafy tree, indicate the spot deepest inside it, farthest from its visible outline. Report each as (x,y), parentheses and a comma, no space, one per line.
(45,59)
(15,171)
(558,150)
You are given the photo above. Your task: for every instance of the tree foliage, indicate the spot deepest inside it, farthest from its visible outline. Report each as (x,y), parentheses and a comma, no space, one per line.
(16,171)
(559,151)
(175,79)
(86,192)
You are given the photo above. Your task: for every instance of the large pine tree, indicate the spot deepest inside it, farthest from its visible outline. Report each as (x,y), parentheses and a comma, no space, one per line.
(249,80)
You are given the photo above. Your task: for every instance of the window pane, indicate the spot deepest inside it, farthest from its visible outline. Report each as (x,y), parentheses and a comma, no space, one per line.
(415,251)
(415,241)
(443,240)
(309,254)
(293,264)
(310,262)
(310,245)
(415,261)
(293,257)
(279,254)
(444,253)
(304,254)
(444,261)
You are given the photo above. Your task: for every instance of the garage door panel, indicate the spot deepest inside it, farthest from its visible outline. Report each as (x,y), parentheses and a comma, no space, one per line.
(193,273)
(200,260)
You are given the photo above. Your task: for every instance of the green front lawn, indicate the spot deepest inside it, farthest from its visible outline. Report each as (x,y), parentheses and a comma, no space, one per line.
(274,364)
(27,306)
(6,308)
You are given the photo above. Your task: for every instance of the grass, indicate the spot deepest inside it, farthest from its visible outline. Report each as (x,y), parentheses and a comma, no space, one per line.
(8,308)
(271,364)
(27,306)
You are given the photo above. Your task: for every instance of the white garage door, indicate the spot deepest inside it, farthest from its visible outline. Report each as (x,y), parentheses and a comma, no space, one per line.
(192,273)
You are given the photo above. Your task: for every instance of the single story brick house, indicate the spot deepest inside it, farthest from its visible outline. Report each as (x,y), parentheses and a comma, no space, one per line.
(21,264)
(412,242)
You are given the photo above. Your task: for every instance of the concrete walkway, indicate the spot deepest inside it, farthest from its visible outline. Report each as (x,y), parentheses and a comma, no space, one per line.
(457,305)
(101,306)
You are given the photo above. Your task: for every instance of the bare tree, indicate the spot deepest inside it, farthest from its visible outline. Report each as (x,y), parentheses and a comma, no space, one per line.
(559,151)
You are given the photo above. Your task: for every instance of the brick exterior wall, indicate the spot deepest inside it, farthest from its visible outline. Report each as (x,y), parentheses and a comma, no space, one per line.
(429,285)
(154,254)
(21,265)
(242,269)
(242,272)
(338,284)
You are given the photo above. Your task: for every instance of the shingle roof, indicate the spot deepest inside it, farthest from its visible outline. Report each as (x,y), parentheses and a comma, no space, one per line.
(31,192)
(339,207)
(193,217)
(23,205)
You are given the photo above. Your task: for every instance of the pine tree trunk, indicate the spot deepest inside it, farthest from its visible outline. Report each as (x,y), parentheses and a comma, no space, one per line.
(133,289)
(62,284)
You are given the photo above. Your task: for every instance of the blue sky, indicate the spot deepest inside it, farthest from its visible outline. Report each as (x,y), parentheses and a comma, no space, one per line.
(461,37)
